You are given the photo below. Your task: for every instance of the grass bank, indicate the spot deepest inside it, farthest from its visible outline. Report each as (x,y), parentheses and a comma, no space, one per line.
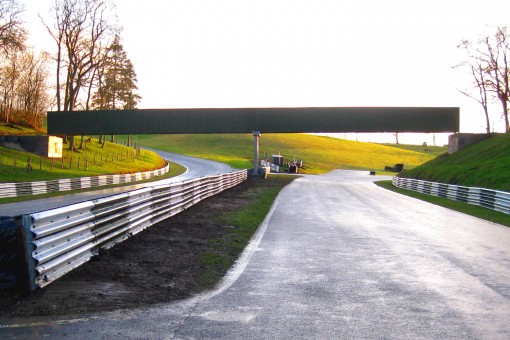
(319,154)
(485,165)
(473,210)
(93,160)
(431,150)
(19,130)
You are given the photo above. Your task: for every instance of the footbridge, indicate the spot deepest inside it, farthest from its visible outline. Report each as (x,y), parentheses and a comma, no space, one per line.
(255,120)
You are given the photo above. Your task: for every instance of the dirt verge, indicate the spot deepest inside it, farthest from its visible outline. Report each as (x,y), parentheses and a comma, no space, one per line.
(166,262)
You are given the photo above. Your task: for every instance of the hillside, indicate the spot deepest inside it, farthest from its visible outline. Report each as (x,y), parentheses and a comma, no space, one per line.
(319,154)
(19,130)
(431,150)
(112,159)
(485,164)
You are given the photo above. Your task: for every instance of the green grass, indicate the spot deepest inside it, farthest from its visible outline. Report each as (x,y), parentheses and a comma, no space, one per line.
(473,210)
(430,150)
(19,130)
(175,170)
(112,159)
(122,163)
(485,164)
(245,223)
(319,154)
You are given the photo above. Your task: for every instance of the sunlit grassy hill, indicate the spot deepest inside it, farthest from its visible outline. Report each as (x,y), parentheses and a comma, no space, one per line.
(430,149)
(19,130)
(319,154)
(486,164)
(112,159)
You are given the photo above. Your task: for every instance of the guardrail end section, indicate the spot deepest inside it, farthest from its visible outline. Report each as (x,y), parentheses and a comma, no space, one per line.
(27,238)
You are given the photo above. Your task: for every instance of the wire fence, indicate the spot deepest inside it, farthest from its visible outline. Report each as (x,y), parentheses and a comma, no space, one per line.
(77,162)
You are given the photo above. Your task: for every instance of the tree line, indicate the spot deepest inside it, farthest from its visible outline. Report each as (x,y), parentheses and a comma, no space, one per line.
(488,64)
(90,67)
(23,74)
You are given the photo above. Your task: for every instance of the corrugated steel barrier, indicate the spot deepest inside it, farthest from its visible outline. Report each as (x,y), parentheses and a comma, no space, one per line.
(246,120)
(44,187)
(59,240)
(487,198)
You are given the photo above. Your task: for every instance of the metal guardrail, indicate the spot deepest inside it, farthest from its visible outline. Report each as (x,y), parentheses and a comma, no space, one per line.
(59,240)
(44,187)
(487,198)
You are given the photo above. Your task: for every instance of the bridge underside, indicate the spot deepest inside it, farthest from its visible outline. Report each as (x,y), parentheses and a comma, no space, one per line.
(246,120)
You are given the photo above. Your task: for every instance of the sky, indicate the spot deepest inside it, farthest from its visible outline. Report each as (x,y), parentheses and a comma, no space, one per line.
(279,53)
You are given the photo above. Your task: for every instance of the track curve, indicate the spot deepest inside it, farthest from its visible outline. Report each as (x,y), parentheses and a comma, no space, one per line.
(196,167)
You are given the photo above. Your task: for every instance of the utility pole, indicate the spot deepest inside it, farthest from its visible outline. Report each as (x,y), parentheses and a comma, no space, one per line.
(256,139)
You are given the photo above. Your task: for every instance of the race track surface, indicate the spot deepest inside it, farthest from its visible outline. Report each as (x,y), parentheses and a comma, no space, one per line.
(337,257)
(196,168)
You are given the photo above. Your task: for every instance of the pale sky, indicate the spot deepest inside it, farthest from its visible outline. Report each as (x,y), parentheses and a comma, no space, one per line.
(278,53)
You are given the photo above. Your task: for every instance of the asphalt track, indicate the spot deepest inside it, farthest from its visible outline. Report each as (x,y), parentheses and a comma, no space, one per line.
(336,258)
(196,167)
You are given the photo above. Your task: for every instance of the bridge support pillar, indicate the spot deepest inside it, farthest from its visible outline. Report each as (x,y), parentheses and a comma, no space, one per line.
(256,139)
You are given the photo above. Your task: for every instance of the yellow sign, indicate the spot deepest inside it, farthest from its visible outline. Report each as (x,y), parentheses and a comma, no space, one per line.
(54,147)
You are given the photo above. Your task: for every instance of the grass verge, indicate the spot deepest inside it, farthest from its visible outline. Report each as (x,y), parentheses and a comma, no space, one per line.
(243,223)
(93,160)
(473,210)
(19,130)
(430,150)
(175,170)
(483,165)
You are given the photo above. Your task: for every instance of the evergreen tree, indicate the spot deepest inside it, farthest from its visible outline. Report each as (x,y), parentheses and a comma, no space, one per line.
(117,81)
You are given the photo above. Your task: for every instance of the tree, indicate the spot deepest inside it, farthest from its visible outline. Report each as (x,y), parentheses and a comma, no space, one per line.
(23,75)
(81,31)
(9,75)
(489,66)
(31,90)
(495,54)
(12,32)
(478,69)
(12,39)
(117,82)
(23,84)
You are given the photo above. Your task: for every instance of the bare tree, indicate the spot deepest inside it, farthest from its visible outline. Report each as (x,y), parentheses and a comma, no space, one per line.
(82,31)
(488,64)
(12,39)
(33,99)
(12,32)
(477,67)
(496,54)
(9,75)
(23,84)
